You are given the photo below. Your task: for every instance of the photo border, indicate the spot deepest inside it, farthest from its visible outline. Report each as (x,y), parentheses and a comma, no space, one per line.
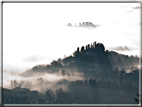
(72,1)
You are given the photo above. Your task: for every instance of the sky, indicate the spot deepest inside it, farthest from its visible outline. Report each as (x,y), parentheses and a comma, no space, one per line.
(38,33)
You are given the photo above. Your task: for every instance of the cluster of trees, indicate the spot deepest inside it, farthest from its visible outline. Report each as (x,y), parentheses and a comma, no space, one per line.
(89,91)
(137,100)
(97,48)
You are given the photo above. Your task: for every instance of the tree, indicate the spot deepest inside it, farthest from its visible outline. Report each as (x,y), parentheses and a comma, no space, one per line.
(50,95)
(59,60)
(54,63)
(77,49)
(91,45)
(94,44)
(82,48)
(74,53)
(69,24)
(86,47)
(137,99)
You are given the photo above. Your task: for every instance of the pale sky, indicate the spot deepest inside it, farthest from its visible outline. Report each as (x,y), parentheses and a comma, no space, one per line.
(37,33)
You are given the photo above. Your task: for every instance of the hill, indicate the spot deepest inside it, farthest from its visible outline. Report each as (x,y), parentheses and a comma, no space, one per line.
(92,60)
(92,75)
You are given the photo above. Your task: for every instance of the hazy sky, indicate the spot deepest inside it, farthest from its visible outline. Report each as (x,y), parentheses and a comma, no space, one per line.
(37,33)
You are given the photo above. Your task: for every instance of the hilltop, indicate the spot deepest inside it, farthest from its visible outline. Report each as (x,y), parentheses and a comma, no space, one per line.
(91,59)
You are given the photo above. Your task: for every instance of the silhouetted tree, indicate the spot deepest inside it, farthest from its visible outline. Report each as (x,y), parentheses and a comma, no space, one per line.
(74,53)
(86,47)
(83,23)
(69,24)
(100,47)
(78,50)
(82,48)
(59,60)
(91,45)
(54,63)
(95,44)
(137,99)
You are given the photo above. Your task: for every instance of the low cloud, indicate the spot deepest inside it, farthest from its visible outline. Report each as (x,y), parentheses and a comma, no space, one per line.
(38,84)
(11,72)
(34,58)
(135,24)
(131,6)
(120,48)
(137,7)
(38,80)
(126,6)
(83,24)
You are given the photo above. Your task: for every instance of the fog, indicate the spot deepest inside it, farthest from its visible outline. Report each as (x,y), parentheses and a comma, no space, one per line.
(40,81)
(72,88)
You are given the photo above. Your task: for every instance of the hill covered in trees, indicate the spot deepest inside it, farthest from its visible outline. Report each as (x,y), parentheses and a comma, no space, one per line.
(91,60)
(92,75)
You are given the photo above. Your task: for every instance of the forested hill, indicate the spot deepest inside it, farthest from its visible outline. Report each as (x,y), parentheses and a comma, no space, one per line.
(88,59)
(92,75)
